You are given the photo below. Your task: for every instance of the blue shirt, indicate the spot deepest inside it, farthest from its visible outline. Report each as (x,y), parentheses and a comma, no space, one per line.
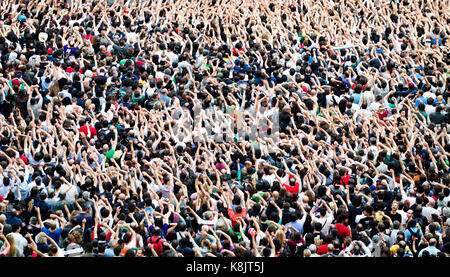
(431,249)
(54,235)
(109,252)
(4,191)
(14,219)
(417,102)
(166,99)
(297,225)
(408,234)
(435,102)
(43,206)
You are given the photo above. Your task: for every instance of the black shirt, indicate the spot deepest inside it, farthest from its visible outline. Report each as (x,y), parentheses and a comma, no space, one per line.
(378,206)
(366,221)
(395,217)
(301,248)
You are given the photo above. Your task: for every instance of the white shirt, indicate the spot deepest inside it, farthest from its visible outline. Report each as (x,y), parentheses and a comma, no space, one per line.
(270,178)
(20,243)
(71,194)
(428,211)
(325,221)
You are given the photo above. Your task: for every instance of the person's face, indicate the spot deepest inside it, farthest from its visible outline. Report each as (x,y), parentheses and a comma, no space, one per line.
(394,207)
(409,214)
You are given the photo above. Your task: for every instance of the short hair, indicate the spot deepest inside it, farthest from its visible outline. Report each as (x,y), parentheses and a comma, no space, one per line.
(15,227)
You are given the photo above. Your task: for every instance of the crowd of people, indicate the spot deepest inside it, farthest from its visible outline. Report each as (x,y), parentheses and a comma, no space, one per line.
(115,137)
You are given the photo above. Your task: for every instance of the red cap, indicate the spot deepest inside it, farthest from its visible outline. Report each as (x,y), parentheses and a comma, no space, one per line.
(49,51)
(1,198)
(24,159)
(139,63)
(15,82)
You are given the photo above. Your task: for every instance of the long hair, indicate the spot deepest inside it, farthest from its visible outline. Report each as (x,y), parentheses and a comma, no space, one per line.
(12,250)
(282,236)
(283,193)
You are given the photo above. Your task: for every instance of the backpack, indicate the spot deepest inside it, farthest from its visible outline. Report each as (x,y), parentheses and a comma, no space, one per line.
(415,234)
(157,245)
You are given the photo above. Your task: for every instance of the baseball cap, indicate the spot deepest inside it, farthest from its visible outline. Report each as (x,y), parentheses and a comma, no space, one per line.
(50,51)
(15,82)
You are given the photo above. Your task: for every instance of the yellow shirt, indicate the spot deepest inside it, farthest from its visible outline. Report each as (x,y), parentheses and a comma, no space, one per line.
(395,248)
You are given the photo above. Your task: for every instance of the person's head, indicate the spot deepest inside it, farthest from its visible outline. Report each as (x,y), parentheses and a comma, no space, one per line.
(396,225)
(15,227)
(381,227)
(318,227)
(307,252)
(343,219)
(130,253)
(52,250)
(394,206)
(433,242)
(330,248)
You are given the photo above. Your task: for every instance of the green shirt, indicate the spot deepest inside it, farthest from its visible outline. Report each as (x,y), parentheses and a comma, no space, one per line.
(422,116)
(239,235)
(109,155)
(257,199)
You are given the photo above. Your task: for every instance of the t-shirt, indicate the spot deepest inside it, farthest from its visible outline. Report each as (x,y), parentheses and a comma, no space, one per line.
(73,250)
(352,213)
(322,250)
(344,180)
(109,155)
(257,199)
(85,131)
(292,189)
(343,230)
(233,215)
(54,235)
(89,220)
(395,217)
(20,243)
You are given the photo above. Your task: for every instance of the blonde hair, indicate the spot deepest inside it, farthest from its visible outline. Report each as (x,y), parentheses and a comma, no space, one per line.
(282,236)
(41,239)
(306,253)
(310,195)
(12,250)
(77,237)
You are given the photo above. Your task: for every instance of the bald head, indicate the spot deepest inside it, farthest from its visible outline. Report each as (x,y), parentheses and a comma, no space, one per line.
(2,218)
(433,242)
(330,248)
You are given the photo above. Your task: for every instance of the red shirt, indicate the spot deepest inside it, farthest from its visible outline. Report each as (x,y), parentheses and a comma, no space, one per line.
(292,189)
(383,115)
(85,131)
(344,180)
(322,250)
(233,215)
(343,230)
